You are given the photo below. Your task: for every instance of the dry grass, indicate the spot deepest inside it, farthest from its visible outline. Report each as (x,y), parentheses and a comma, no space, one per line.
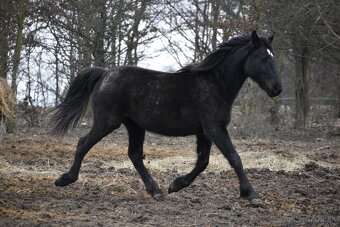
(49,157)
(44,156)
(6,100)
(257,160)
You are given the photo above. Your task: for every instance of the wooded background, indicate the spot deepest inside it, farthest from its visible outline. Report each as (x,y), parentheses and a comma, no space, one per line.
(44,43)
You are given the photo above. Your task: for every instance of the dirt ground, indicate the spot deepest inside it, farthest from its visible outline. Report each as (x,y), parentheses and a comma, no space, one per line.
(297,175)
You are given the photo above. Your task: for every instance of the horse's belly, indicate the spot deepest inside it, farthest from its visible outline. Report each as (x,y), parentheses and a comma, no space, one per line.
(172,130)
(167,124)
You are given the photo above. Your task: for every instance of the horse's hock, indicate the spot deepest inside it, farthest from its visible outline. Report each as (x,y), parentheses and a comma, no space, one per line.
(6,105)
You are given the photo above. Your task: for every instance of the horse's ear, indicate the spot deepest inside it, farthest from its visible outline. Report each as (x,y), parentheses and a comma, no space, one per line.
(255,39)
(271,38)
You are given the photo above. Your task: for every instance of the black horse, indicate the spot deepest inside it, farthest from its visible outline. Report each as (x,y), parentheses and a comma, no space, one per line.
(195,100)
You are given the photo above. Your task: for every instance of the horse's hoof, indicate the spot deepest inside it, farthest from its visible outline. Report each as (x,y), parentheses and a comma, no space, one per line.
(159,197)
(177,185)
(256,202)
(173,188)
(64,180)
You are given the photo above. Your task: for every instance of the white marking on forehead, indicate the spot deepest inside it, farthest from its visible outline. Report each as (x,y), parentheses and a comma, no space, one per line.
(270,53)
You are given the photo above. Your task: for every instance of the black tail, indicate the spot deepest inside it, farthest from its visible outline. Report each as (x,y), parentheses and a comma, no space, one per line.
(75,103)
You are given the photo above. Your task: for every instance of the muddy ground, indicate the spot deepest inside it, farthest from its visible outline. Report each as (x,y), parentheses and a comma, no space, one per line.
(297,174)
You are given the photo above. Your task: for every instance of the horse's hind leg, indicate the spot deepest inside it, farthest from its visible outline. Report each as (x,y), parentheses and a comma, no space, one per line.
(203,152)
(135,151)
(98,131)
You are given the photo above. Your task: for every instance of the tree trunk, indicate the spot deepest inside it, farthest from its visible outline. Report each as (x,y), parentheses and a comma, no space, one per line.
(275,105)
(302,104)
(5,30)
(197,44)
(17,54)
(133,36)
(98,51)
(4,48)
(338,95)
(18,44)
(56,101)
(120,18)
(73,50)
(216,13)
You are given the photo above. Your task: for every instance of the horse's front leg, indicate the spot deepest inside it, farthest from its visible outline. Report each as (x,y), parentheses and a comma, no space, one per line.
(203,152)
(220,136)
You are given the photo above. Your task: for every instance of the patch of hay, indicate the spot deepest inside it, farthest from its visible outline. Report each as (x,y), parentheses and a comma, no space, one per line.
(217,163)
(6,100)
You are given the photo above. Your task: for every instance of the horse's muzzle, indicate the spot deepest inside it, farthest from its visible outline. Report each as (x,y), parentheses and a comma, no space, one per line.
(274,90)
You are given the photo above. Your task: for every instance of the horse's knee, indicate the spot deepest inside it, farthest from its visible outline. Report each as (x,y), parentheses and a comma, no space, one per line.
(135,155)
(81,141)
(236,162)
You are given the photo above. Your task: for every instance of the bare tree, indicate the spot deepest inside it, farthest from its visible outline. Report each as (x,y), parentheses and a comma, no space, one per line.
(303,29)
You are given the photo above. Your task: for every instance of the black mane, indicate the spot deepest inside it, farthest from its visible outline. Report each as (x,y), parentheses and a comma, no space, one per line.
(217,56)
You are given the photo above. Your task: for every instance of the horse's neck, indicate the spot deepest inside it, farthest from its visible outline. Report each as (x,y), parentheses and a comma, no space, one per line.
(234,78)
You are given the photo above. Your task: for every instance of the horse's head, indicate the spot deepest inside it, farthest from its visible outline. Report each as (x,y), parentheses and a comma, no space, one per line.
(260,65)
